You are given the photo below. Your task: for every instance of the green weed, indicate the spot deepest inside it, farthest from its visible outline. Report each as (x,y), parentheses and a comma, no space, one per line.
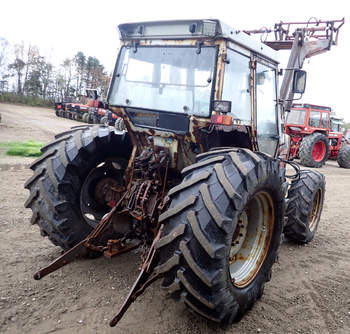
(29,148)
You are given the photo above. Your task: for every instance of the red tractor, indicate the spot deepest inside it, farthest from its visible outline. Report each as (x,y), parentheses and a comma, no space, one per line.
(308,127)
(316,136)
(339,148)
(73,108)
(90,109)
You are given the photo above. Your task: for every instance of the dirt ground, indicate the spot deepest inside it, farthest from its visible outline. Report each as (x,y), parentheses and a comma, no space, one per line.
(309,291)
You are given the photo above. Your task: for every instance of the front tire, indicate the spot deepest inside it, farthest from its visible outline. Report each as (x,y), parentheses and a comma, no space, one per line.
(305,204)
(314,150)
(222,232)
(59,176)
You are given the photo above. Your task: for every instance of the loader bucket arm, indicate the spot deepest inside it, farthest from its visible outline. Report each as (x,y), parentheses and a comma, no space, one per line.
(305,40)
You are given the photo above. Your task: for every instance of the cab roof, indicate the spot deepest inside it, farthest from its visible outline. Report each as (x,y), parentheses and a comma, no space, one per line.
(193,29)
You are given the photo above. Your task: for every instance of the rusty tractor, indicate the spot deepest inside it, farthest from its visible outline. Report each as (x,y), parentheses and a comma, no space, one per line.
(196,176)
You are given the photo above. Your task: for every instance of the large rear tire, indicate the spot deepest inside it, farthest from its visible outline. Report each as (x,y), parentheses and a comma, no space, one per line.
(222,232)
(343,158)
(305,204)
(59,175)
(314,150)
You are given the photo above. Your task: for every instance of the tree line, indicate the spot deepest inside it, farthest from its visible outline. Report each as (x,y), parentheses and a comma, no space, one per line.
(24,71)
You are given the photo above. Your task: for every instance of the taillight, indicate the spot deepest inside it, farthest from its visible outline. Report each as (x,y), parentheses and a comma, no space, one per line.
(221,119)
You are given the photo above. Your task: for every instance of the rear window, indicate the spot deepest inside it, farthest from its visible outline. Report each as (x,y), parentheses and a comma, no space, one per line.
(296,117)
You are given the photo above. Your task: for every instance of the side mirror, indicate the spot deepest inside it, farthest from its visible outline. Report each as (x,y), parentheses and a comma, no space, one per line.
(299,81)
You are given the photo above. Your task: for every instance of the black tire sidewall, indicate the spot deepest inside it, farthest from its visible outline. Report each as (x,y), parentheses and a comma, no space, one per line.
(343,158)
(309,142)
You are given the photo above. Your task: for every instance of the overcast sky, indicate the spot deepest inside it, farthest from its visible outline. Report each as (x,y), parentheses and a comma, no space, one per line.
(62,28)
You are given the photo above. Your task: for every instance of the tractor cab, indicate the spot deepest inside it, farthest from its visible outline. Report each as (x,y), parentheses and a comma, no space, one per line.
(189,86)
(335,136)
(305,119)
(347,135)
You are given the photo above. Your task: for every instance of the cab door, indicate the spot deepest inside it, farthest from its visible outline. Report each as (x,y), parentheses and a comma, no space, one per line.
(267,124)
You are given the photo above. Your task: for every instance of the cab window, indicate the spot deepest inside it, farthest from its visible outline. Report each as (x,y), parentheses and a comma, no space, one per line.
(266,109)
(315,119)
(325,120)
(236,85)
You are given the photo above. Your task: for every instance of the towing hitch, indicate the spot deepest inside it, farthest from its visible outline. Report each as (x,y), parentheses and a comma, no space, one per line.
(143,200)
(114,247)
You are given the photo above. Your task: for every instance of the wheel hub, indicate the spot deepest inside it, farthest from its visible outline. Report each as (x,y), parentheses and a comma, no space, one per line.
(319,151)
(101,190)
(316,210)
(251,240)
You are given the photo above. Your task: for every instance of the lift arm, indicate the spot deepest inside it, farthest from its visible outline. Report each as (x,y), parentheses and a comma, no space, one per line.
(305,40)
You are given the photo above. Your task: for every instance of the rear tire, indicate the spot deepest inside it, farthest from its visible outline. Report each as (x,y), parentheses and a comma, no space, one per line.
(343,158)
(85,117)
(305,204)
(104,120)
(314,150)
(204,224)
(59,176)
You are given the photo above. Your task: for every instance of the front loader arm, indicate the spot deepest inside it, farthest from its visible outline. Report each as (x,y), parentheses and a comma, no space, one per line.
(307,39)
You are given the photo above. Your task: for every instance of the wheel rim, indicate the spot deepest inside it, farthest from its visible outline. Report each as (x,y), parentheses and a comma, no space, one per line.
(251,239)
(315,210)
(319,151)
(97,196)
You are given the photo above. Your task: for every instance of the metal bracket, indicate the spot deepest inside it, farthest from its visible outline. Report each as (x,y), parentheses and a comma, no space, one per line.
(145,279)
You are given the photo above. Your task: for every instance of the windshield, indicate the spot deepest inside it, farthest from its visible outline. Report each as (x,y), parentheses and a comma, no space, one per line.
(296,117)
(335,126)
(174,79)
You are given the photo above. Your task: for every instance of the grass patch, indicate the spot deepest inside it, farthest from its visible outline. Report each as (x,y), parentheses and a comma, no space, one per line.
(29,148)
(33,101)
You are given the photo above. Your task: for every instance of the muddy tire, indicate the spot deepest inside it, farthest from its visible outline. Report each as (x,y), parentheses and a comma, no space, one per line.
(104,120)
(314,150)
(59,174)
(90,119)
(343,158)
(85,117)
(305,204)
(119,124)
(201,253)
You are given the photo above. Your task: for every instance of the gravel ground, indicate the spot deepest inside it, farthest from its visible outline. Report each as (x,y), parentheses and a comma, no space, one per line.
(309,291)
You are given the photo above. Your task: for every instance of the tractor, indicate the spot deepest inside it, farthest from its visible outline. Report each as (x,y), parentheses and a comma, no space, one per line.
(72,108)
(308,127)
(197,179)
(89,109)
(316,135)
(339,145)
